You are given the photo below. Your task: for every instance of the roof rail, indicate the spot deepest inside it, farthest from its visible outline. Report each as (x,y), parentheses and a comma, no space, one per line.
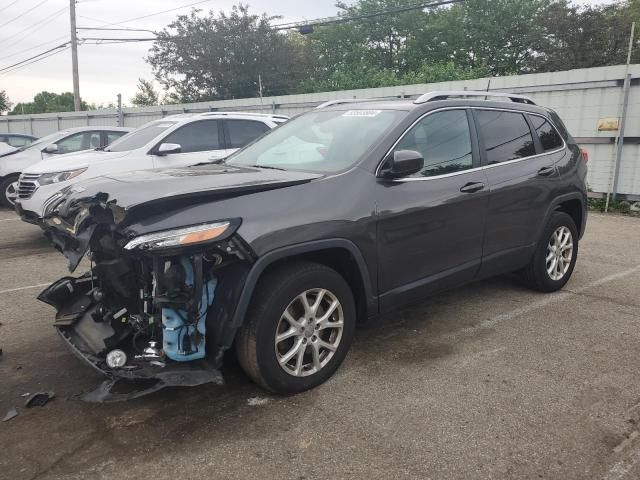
(444,95)
(351,100)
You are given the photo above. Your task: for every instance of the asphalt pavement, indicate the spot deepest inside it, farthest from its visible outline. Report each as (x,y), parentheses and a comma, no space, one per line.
(490,381)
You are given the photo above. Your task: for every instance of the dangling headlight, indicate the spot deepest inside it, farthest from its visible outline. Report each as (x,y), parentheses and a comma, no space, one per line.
(179,236)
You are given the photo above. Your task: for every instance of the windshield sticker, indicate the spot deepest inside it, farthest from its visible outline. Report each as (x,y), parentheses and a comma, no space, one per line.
(361,113)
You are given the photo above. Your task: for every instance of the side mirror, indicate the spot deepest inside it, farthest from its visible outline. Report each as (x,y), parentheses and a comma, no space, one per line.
(403,164)
(168,148)
(53,148)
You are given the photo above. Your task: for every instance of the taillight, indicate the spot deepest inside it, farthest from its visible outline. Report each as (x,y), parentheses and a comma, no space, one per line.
(585,155)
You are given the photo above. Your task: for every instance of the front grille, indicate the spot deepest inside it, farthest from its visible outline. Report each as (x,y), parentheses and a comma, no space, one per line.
(27,185)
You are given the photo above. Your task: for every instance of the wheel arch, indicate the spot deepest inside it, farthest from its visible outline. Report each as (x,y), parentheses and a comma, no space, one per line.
(341,255)
(574,205)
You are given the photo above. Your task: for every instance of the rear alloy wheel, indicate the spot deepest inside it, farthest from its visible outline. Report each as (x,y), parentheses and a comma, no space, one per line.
(555,256)
(9,191)
(298,328)
(559,253)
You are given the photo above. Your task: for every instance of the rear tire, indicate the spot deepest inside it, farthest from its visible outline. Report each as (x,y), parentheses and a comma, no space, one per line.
(287,348)
(555,255)
(5,185)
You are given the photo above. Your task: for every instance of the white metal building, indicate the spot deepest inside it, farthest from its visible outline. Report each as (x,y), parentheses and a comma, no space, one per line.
(584,98)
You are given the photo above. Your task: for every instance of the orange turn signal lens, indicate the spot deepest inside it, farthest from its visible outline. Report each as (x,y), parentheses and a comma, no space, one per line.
(203,235)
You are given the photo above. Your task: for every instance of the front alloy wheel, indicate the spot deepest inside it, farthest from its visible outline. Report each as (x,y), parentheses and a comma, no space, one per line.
(11,193)
(298,328)
(309,332)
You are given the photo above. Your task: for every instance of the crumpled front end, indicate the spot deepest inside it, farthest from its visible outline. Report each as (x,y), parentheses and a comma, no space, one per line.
(153,310)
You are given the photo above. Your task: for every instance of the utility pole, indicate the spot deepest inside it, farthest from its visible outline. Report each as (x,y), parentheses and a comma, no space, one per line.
(74,56)
(260,86)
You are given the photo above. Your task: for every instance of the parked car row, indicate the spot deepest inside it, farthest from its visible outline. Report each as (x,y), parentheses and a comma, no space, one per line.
(33,173)
(346,212)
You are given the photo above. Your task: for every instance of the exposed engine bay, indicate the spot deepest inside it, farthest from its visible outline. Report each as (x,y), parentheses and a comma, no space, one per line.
(155,309)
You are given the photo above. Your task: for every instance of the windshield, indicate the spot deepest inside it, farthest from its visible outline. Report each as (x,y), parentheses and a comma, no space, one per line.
(319,141)
(140,137)
(46,140)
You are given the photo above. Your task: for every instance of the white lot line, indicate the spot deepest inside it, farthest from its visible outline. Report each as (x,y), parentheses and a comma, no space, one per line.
(623,467)
(40,285)
(544,302)
(9,219)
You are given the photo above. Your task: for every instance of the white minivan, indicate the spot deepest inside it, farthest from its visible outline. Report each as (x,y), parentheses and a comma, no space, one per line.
(175,141)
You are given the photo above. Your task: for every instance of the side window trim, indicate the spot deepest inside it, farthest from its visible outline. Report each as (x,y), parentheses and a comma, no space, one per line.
(154,149)
(472,132)
(476,151)
(226,138)
(536,137)
(534,134)
(479,142)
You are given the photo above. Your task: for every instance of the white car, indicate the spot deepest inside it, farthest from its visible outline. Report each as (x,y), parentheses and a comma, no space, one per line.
(47,148)
(5,149)
(175,141)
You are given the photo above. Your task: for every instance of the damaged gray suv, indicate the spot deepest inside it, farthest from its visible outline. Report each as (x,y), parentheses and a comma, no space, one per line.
(346,212)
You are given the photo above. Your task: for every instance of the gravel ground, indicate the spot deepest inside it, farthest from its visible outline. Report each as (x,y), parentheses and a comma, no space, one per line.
(491,381)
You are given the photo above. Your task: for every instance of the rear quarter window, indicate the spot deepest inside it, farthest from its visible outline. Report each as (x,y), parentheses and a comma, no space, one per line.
(548,135)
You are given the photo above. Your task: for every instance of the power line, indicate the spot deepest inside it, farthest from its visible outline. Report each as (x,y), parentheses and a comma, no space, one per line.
(11,4)
(5,72)
(350,18)
(23,33)
(23,14)
(116,29)
(120,22)
(3,69)
(33,48)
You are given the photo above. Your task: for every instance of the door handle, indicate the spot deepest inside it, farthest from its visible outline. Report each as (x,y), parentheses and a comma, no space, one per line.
(546,171)
(472,187)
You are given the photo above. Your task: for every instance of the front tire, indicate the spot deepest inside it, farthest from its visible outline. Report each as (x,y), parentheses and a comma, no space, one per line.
(298,329)
(9,191)
(555,256)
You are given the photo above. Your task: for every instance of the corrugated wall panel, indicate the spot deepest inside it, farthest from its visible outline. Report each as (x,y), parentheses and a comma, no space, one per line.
(581,97)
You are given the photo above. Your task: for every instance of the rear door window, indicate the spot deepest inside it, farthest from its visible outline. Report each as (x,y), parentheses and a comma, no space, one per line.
(506,135)
(198,136)
(79,141)
(243,132)
(111,137)
(549,137)
(444,140)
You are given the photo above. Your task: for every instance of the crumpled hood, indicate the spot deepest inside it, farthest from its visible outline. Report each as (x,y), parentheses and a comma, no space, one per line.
(133,189)
(72,161)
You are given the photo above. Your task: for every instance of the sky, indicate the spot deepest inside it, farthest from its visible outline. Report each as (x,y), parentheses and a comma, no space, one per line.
(29,27)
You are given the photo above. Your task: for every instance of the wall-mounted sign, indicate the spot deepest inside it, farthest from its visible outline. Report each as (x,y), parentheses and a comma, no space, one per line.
(608,125)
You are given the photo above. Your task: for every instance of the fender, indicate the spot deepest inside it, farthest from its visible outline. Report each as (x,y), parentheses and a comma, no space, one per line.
(264,261)
(561,199)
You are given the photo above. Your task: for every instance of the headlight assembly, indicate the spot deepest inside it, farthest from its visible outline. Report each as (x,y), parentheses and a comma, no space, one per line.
(179,237)
(49,178)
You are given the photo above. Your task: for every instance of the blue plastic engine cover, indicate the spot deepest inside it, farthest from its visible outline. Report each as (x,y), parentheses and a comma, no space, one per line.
(175,328)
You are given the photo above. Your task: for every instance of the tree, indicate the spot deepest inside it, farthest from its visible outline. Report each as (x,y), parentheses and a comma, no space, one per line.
(5,104)
(583,37)
(222,56)
(47,102)
(146,95)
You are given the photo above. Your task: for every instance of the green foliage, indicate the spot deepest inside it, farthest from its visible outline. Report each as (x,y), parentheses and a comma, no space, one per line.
(46,102)
(220,56)
(146,95)
(5,104)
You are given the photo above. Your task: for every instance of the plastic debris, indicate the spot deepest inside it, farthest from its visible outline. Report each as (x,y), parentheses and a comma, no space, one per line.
(11,414)
(39,399)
